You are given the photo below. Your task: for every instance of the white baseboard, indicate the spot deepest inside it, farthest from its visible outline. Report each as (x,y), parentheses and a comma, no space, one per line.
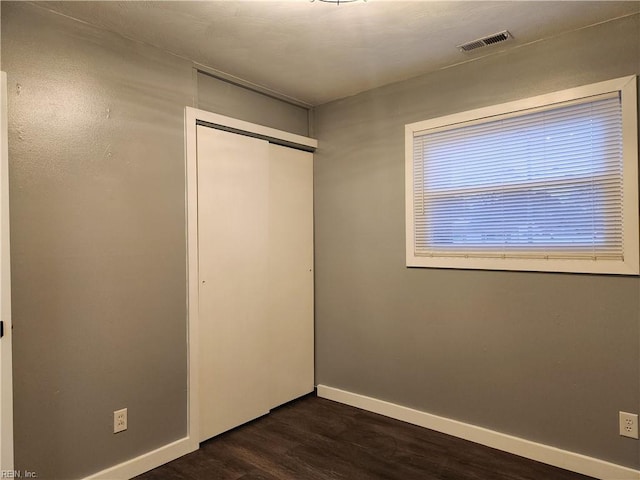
(147,461)
(507,443)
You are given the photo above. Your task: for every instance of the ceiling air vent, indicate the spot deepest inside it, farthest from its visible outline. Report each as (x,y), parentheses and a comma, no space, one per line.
(485,41)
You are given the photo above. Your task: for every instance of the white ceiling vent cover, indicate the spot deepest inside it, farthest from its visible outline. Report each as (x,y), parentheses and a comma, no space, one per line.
(485,41)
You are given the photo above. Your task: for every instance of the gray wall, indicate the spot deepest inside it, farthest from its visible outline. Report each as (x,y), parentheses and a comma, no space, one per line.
(98,247)
(98,239)
(547,357)
(226,98)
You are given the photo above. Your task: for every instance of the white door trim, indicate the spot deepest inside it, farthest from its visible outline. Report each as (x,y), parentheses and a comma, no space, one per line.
(6,375)
(193,117)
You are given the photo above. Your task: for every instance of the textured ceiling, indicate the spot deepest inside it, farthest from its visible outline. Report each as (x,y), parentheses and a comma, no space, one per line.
(316,52)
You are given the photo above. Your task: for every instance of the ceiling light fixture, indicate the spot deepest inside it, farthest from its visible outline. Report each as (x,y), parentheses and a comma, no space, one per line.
(338,2)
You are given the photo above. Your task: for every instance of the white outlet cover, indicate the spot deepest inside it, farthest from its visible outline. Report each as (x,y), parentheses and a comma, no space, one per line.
(120,420)
(629,425)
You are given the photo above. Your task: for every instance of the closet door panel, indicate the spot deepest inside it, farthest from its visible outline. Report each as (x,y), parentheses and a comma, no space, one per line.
(233,216)
(290,274)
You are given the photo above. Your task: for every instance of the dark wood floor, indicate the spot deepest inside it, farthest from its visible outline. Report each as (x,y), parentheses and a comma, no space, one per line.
(317,439)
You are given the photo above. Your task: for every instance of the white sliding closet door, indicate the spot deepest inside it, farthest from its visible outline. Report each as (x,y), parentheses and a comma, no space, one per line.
(290,273)
(255,279)
(233,226)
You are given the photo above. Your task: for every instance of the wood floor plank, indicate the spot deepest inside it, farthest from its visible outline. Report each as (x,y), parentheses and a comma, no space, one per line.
(317,439)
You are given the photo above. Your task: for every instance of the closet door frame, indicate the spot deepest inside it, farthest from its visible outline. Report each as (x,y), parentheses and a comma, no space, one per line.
(193,118)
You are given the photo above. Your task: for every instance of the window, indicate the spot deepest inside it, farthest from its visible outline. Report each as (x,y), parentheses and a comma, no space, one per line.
(548,183)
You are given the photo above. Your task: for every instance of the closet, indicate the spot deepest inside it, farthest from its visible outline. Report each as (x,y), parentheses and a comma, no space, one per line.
(255,274)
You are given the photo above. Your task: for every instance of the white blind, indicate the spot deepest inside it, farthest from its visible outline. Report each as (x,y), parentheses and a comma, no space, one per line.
(541,184)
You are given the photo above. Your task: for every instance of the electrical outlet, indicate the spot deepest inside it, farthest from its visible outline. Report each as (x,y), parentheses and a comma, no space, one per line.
(120,420)
(629,425)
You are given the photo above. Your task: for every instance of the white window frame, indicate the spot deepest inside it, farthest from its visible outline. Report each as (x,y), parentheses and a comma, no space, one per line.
(627,87)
